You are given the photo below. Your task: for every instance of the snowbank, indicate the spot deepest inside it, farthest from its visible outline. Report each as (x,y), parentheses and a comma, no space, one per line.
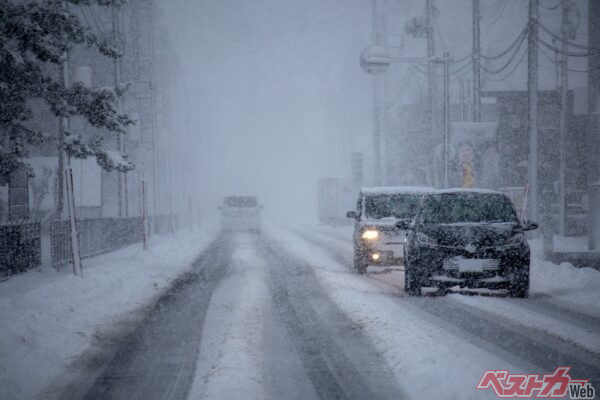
(49,318)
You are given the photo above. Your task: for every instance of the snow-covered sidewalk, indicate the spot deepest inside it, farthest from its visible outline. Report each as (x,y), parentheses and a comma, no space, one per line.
(49,318)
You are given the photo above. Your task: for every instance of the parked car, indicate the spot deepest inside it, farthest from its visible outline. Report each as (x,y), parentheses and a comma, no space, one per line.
(240,213)
(468,238)
(377,240)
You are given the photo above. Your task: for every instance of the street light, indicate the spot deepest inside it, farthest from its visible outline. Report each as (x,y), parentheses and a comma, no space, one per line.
(376,60)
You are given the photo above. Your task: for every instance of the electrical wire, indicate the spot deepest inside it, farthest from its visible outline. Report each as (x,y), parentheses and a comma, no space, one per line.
(554,63)
(498,13)
(512,71)
(467,57)
(517,42)
(551,8)
(507,64)
(557,37)
(439,33)
(401,90)
(568,53)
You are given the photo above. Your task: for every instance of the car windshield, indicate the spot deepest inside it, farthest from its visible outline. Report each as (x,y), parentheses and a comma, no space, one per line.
(391,205)
(467,208)
(240,201)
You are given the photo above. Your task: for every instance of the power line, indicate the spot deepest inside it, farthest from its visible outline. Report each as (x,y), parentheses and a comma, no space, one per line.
(551,8)
(568,53)
(517,42)
(498,13)
(467,57)
(557,37)
(512,71)
(507,64)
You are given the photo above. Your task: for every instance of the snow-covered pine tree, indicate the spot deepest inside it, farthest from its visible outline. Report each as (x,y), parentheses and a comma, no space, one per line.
(34,36)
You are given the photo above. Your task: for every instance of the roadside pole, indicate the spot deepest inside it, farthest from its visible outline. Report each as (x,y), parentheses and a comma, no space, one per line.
(446,115)
(532,88)
(564,82)
(145,214)
(75,250)
(476,63)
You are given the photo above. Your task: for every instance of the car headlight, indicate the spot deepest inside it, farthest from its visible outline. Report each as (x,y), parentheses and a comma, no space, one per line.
(370,234)
(423,238)
(516,239)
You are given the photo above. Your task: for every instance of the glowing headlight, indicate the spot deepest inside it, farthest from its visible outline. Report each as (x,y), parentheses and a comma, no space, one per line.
(370,235)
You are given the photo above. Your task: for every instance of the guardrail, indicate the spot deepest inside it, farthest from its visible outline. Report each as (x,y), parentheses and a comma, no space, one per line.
(96,236)
(20,247)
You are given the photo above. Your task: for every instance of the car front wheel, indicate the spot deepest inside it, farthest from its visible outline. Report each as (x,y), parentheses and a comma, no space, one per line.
(412,282)
(519,283)
(360,265)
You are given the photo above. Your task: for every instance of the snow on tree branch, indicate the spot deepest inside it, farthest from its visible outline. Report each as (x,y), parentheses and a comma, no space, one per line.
(34,36)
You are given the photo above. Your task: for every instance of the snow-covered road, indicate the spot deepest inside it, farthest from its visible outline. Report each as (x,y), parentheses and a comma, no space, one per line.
(281,316)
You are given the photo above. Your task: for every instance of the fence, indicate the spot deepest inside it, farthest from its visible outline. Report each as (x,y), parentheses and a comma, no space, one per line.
(96,236)
(163,224)
(20,247)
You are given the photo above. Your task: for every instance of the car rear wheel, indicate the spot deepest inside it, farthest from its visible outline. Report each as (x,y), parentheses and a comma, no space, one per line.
(519,283)
(412,282)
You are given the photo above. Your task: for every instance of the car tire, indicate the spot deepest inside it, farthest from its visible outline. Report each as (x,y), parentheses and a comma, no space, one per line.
(519,283)
(360,265)
(412,282)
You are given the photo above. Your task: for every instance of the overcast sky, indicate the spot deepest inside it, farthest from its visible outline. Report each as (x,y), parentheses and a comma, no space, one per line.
(274,94)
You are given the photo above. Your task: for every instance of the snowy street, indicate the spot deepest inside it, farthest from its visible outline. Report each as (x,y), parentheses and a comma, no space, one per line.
(280,315)
(304,199)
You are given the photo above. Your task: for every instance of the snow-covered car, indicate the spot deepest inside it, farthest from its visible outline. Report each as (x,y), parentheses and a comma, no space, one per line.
(240,213)
(377,240)
(467,238)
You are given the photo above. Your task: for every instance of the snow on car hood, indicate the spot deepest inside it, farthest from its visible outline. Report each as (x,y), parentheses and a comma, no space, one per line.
(478,234)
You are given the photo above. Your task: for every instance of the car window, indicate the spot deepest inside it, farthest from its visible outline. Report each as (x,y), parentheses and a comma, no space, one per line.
(240,201)
(467,208)
(391,205)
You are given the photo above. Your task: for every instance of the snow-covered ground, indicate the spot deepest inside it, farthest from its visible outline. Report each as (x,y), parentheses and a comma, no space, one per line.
(229,363)
(440,363)
(49,318)
(248,349)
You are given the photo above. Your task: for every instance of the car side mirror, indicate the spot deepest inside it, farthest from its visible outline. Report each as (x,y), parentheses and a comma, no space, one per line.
(404,224)
(352,214)
(530,225)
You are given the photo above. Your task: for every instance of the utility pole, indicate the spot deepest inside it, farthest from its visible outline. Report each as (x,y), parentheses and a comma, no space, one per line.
(377,106)
(122,177)
(532,87)
(564,87)
(446,114)
(431,78)
(476,64)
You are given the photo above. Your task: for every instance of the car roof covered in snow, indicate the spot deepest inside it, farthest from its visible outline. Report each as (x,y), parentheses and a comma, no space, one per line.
(467,190)
(396,190)
(240,201)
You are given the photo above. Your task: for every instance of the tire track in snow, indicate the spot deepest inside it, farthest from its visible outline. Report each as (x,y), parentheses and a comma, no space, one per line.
(158,360)
(340,362)
(501,336)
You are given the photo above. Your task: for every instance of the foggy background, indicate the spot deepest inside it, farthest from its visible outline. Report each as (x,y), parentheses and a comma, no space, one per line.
(272,96)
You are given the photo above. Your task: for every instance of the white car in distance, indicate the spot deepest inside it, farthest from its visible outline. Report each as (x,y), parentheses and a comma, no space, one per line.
(240,213)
